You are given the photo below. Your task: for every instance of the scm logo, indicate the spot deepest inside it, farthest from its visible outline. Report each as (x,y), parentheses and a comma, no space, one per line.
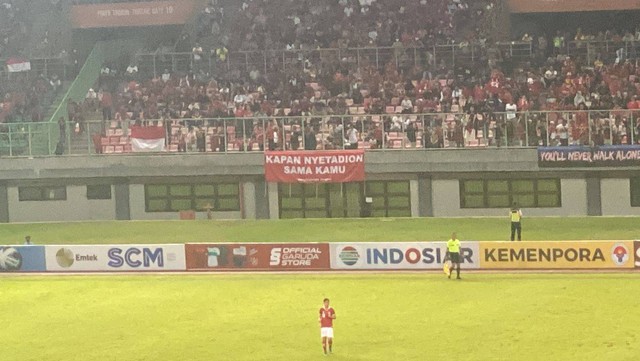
(135,257)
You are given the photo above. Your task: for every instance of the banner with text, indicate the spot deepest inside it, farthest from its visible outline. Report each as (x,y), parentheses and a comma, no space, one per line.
(258,256)
(557,255)
(337,166)
(132,14)
(554,6)
(574,156)
(22,259)
(114,258)
(398,256)
(636,251)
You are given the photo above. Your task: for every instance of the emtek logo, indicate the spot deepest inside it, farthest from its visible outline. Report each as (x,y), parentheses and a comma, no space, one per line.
(135,257)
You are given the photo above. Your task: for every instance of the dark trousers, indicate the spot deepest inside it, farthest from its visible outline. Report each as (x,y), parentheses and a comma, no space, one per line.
(516,227)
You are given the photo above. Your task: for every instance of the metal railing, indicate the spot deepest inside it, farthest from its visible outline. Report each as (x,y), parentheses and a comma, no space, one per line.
(606,50)
(384,132)
(274,60)
(40,66)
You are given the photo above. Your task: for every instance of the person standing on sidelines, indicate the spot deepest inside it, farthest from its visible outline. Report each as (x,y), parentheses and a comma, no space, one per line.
(327,315)
(453,253)
(516,226)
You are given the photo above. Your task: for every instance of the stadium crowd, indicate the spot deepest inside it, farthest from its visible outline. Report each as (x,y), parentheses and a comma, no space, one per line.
(494,103)
(549,98)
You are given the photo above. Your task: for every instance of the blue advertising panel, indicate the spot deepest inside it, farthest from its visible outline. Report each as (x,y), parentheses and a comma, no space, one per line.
(22,259)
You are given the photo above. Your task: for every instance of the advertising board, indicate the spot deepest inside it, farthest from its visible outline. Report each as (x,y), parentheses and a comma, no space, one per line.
(115,258)
(398,256)
(557,255)
(258,256)
(22,259)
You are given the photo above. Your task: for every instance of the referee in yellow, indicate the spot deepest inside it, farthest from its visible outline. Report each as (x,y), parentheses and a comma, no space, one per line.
(453,252)
(516,226)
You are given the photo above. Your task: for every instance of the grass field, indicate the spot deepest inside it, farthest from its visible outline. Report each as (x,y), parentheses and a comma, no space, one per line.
(274,317)
(321,230)
(564,317)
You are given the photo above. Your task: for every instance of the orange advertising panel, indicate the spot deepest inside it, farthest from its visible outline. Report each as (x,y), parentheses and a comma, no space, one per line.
(557,255)
(258,257)
(132,14)
(555,6)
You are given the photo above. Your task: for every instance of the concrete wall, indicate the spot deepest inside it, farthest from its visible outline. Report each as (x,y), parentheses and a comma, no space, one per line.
(616,197)
(138,212)
(76,208)
(433,177)
(446,201)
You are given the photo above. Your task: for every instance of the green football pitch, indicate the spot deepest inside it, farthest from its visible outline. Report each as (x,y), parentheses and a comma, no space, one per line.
(274,317)
(398,316)
(321,230)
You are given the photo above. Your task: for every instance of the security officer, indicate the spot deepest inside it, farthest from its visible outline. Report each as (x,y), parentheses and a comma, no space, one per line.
(516,217)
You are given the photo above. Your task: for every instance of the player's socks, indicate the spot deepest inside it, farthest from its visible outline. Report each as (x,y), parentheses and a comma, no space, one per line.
(330,347)
(324,348)
(458,272)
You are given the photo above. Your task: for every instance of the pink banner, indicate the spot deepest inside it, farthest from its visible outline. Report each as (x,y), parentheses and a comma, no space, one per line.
(132,14)
(555,6)
(315,166)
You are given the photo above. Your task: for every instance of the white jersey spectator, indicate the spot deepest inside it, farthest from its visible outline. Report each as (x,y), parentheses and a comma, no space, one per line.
(166,76)
(511,108)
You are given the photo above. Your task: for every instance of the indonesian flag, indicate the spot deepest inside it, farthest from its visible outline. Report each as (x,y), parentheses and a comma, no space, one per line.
(15,65)
(147,139)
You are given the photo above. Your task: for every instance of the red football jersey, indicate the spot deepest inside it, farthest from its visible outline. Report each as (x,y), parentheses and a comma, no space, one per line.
(326,319)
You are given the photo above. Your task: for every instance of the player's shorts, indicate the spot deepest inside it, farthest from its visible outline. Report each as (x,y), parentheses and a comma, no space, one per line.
(455,257)
(326,332)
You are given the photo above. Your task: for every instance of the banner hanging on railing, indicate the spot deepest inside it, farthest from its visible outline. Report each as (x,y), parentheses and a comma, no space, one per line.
(576,156)
(16,65)
(314,166)
(147,139)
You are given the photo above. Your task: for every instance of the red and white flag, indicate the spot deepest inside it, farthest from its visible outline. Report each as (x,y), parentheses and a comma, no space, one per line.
(147,139)
(15,65)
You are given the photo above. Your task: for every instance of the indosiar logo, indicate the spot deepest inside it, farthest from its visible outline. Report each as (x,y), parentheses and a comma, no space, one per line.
(412,255)
(619,254)
(135,257)
(349,255)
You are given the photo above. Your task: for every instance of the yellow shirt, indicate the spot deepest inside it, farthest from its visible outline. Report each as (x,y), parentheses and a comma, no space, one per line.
(516,215)
(453,246)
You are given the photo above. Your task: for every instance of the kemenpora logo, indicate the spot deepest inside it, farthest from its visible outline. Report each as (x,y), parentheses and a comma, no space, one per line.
(349,255)
(619,254)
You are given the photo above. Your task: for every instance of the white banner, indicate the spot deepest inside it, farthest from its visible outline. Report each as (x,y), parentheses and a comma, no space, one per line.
(114,258)
(16,66)
(399,256)
(147,145)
